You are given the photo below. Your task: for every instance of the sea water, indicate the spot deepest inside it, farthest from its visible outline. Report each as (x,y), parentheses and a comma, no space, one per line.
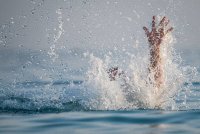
(97,105)
(55,92)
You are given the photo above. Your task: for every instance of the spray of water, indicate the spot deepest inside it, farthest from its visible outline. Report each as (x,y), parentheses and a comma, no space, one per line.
(60,30)
(135,89)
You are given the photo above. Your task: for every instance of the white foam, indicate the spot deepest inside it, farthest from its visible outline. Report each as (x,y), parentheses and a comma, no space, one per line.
(135,90)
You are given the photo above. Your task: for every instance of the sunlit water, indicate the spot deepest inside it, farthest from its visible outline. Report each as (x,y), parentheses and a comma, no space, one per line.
(61,90)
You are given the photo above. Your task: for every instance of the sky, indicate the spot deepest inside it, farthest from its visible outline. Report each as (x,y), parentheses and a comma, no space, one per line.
(32,30)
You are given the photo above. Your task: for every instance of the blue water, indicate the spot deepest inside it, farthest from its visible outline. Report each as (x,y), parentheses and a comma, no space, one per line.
(135,121)
(45,47)
(21,113)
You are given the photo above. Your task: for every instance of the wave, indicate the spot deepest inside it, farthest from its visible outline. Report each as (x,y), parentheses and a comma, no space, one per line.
(65,96)
(41,96)
(66,107)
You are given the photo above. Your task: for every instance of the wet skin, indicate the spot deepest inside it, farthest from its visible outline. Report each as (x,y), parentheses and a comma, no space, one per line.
(155,40)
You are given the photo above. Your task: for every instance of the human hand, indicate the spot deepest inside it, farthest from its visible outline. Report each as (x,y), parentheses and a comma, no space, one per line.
(155,37)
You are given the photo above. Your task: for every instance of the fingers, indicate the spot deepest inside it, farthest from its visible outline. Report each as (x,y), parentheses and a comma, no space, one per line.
(167,22)
(169,30)
(162,22)
(153,23)
(161,31)
(146,31)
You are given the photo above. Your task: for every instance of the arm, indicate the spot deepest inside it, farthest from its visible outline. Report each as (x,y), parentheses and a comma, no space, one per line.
(155,39)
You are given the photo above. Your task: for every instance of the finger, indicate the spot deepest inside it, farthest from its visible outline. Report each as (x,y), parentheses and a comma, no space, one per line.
(153,23)
(157,34)
(146,31)
(161,32)
(166,22)
(169,30)
(162,21)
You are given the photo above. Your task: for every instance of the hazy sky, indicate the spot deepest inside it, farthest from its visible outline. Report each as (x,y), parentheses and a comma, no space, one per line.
(96,22)
(43,27)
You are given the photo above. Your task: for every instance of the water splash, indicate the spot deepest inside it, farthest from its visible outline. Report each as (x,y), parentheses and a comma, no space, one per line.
(60,31)
(103,93)
(135,89)
(132,91)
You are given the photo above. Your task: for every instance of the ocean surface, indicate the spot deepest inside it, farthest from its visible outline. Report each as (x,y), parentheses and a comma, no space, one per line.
(21,115)
(55,58)
(100,122)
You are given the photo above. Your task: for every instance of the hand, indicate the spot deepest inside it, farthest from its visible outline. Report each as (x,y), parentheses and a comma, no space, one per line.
(157,34)
(113,73)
